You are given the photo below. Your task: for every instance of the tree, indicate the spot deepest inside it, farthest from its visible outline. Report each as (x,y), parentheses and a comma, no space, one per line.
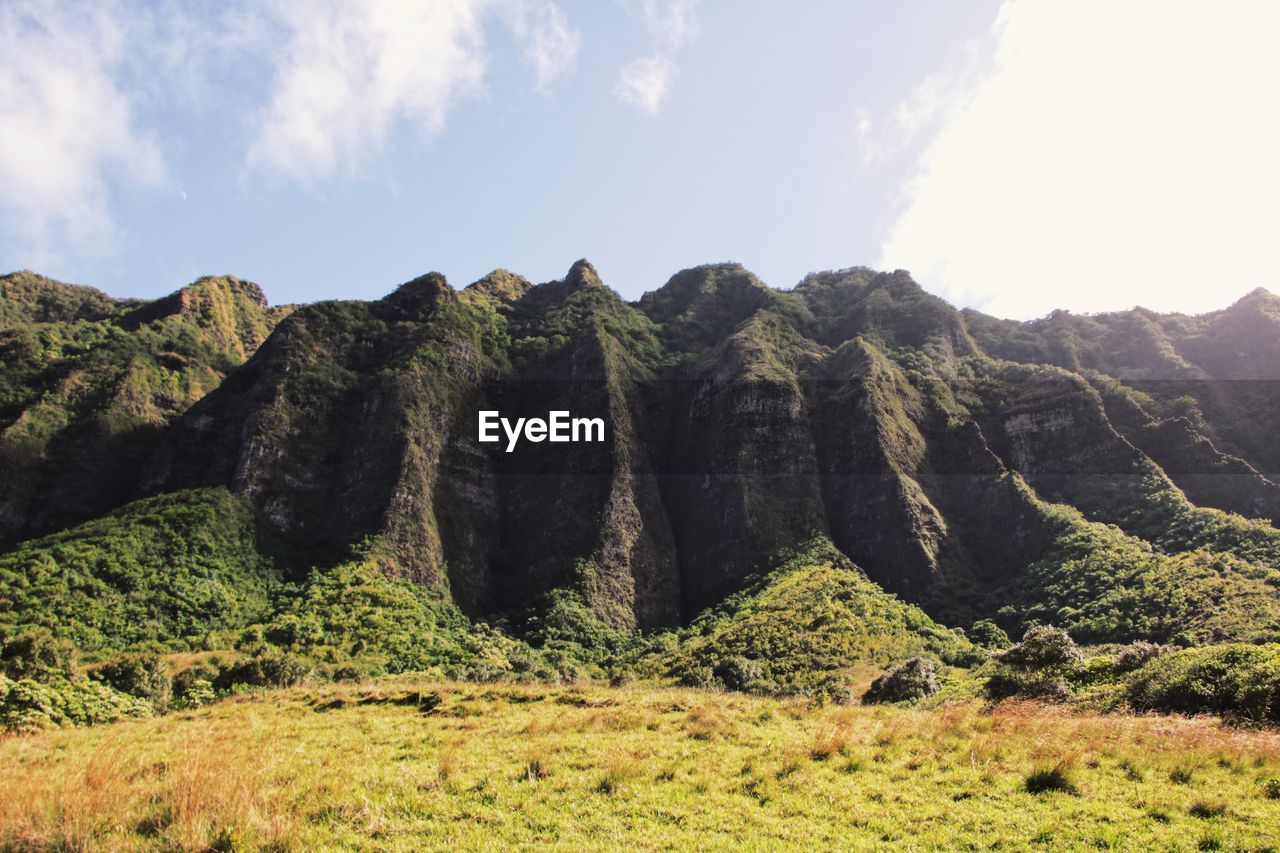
(989,635)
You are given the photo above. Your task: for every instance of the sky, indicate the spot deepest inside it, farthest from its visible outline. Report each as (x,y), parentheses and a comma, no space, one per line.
(1016,157)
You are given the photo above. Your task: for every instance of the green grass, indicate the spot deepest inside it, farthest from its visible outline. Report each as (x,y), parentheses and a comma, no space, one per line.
(403,764)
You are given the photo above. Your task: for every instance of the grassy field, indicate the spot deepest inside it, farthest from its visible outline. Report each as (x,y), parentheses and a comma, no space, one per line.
(407,764)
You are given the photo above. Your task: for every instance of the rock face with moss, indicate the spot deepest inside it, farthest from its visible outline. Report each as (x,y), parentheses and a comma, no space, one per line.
(89,384)
(1113,474)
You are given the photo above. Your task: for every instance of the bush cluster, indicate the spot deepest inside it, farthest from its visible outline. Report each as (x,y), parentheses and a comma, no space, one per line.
(1236,681)
(36,654)
(1135,655)
(989,635)
(909,681)
(28,705)
(142,674)
(1039,667)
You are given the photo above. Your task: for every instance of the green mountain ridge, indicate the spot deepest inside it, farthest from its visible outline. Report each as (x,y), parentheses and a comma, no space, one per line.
(89,382)
(1112,474)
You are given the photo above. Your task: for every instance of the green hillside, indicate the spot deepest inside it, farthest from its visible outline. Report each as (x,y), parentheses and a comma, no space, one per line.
(169,570)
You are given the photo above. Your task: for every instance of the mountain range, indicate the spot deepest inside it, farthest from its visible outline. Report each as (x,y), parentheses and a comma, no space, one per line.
(1115,474)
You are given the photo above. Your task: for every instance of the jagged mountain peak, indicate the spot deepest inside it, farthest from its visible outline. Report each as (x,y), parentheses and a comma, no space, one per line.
(419,296)
(692,283)
(1258,300)
(840,281)
(699,306)
(501,284)
(583,274)
(230,283)
(28,297)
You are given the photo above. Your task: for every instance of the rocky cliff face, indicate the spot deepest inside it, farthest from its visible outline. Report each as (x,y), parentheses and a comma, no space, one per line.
(89,383)
(952,456)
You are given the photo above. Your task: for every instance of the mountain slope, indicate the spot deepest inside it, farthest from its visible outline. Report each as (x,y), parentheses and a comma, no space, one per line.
(175,567)
(88,383)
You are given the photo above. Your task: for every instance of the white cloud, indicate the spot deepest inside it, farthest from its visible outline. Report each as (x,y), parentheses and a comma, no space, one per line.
(1117,154)
(349,69)
(550,43)
(644,82)
(673,23)
(67,124)
(77,79)
(933,102)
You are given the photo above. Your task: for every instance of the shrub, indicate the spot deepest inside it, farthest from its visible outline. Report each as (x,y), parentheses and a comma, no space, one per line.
(1134,655)
(743,675)
(1005,685)
(989,635)
(1008,618)
(909,681)
(830,690)
(28,705)
(185,681)
(291,630)
(1095,670)
(269,669)
(701,677)
(1043,647)
(198,693)
(620,676)
(141,674)
(1038,667)
(350,672)
(1235,681)
(35,653)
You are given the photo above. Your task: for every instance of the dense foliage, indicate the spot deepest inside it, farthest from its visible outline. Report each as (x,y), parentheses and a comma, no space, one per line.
(1041,666)
(1236,680)
(170,569)
(29,705)
(1105,586)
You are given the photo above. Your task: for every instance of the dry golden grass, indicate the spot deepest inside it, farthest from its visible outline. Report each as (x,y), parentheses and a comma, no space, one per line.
(381,767)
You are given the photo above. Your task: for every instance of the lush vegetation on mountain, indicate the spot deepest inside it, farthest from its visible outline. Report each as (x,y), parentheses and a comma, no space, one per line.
(177,571)
(88,383)
(812,618)
(318,507)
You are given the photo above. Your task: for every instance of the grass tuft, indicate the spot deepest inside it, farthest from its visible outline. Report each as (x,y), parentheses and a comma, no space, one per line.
(537,766)
(1205,809)
(1046,779)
